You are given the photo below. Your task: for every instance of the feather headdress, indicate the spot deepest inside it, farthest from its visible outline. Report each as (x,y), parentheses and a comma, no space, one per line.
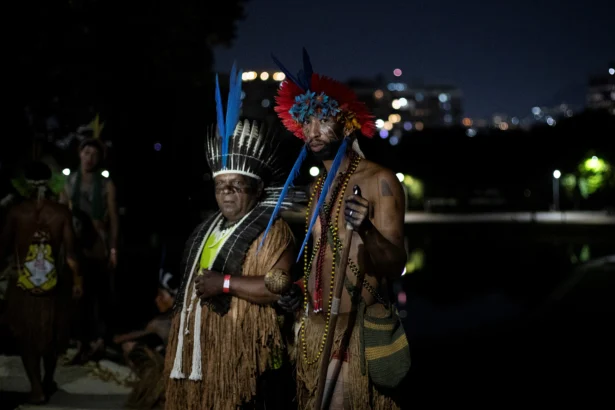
(309,94)
(241,147)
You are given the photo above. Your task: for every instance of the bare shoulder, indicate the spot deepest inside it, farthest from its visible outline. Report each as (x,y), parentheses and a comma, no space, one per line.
(381,181)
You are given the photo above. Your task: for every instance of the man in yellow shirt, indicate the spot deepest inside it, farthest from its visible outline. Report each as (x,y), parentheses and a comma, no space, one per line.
(225,334)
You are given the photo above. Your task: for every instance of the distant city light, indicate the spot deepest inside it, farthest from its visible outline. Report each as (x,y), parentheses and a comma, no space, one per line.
(467,122)
(265,103)
(515,121)
(557,174)
(407,125)
(393,140)
(443,98)
(536,110)
(157,146)
(396,86)
(105,173)
(419,97)
(379,123)
(378,94)
(395,104)
(279,76)
(66,171)
(471,132)
(264,76)
(384,133)
(314,171)
(448,118)
(503,126)
(551,121)
(612,71)
(403,102)
(400,176)
(397,72)
(419,126)
(394,118)
(249,76)
(388,126)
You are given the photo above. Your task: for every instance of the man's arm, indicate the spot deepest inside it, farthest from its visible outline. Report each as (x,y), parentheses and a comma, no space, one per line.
(384,237)
(249,288)
(253,289)
(6,237)
(113,215)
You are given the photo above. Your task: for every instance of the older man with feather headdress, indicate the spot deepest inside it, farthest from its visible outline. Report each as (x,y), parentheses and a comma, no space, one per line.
(225,335)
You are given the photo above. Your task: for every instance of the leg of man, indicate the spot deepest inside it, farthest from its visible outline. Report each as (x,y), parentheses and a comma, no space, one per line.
(32,364)
(50,361)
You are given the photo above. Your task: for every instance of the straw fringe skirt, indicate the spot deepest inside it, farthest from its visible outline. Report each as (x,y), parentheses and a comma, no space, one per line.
(359,393)
(38,323)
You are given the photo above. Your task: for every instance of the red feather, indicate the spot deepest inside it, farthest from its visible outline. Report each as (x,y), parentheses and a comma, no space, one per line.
(346,98)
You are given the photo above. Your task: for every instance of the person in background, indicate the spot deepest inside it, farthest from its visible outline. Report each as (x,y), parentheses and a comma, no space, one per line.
(37,296)
(144,349)
(92,195)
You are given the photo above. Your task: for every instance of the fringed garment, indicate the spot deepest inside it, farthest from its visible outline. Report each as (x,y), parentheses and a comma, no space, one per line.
(39,323)
(359,393)
(236,348)
(148,391)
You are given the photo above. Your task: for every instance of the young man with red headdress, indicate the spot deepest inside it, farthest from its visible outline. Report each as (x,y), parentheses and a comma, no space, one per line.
(374,353)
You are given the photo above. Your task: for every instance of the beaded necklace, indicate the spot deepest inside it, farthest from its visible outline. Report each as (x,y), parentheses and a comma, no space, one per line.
(321,245)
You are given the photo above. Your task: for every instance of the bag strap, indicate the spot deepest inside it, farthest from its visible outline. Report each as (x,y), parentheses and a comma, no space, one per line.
(352,288)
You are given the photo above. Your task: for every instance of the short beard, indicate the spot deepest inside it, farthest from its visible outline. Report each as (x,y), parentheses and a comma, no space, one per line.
(328,152)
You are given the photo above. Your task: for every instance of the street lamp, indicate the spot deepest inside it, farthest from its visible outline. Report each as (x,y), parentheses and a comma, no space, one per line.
(556,175)
(314,171)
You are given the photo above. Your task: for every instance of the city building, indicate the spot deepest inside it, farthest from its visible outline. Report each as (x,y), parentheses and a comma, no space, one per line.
(601,90)
(400,107)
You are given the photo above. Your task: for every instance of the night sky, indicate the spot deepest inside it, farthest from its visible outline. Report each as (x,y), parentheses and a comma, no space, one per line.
(505,56)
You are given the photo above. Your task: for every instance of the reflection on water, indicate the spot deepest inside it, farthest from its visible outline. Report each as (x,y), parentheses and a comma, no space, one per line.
(468,301)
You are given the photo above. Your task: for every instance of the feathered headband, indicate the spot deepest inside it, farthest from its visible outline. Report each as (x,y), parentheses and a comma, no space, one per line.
(309,94)
(95,128)
(240,147)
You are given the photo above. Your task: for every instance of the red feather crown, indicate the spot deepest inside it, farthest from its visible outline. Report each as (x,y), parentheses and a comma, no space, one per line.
(351,112)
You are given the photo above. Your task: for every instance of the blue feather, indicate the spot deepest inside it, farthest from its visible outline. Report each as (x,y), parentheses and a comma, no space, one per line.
(219,109)
(288,74)
(325,190)
(289,183)
(233,109)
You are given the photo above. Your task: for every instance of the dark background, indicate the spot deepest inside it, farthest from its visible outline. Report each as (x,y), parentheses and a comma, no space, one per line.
(482,324)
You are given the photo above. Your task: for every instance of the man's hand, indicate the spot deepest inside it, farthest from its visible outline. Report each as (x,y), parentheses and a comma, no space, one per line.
(77,291)
(113,258)
(208,284)
(357,210)
(291,300)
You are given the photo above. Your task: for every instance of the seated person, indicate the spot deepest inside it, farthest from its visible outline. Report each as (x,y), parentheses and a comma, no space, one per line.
(144,349)
(156,332)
